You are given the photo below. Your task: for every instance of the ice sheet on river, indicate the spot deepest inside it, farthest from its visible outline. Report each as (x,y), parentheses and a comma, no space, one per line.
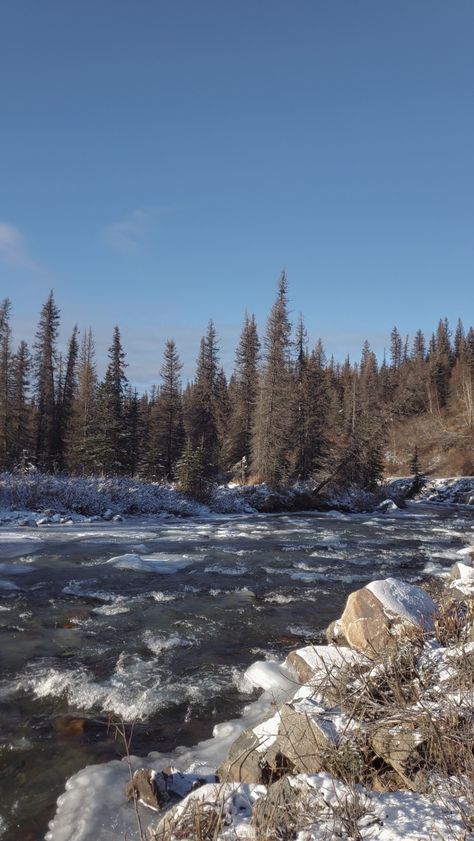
(151,563)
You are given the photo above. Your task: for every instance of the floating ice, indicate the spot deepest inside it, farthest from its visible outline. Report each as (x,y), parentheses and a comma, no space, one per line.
(151,563)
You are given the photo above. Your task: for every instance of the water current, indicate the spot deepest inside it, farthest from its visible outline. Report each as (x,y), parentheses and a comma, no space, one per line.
(154,621)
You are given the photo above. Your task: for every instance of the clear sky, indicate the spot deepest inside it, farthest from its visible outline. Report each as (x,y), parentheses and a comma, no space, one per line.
(161,162)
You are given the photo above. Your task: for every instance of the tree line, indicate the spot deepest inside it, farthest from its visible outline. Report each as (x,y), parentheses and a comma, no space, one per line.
(286,413)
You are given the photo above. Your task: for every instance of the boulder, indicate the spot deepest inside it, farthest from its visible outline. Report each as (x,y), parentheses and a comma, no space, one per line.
(242,763)
(255,757)
(107,515)
(387,505)
(381,611)
(398,743)
(302,740)
(144,788)
(319,663)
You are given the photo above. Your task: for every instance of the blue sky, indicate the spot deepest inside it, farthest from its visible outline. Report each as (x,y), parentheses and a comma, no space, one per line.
(161,162)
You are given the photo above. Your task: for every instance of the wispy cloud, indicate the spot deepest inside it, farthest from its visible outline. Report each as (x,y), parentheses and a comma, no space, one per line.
(129,233)
(13,248)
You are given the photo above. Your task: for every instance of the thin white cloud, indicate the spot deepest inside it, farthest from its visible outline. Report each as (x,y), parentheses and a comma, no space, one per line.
(128,234)
(13,249)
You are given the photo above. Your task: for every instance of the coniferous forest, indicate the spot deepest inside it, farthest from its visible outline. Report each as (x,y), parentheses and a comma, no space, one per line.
(287,412)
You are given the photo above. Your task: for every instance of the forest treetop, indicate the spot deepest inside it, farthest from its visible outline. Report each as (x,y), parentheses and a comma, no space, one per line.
(287,412)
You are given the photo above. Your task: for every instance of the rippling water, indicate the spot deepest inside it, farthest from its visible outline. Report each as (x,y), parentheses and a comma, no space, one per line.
(155,622)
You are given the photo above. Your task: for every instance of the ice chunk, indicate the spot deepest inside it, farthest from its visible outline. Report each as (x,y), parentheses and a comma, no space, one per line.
(151,563)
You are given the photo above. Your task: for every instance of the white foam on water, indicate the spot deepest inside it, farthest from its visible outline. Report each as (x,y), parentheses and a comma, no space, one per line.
(280,598)
(122,604)
(157,643)
(239,591)
(159,596)
(136,689)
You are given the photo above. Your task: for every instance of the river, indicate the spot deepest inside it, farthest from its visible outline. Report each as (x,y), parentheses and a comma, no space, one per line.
(155,620)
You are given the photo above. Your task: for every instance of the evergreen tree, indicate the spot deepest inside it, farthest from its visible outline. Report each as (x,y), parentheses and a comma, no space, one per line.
(66,393)
(5,383)
(440,359)
(191,471)
(80,457)
(222,415)
(418,479)
(396,349)
(109,436)
(272,426)
(244,393)
(45,359)
(201,404)
(170,431)
(132,431)
(21,437)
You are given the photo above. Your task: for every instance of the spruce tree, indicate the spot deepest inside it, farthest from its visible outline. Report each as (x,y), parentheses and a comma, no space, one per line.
(201,404)
(21,431)
(79,453)
(109,435)
(45,360)
(272,426)
(5,384)
(243,393)
(65,401)
(169,431)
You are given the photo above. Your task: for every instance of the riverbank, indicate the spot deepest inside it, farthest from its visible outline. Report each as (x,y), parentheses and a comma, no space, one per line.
(41,499)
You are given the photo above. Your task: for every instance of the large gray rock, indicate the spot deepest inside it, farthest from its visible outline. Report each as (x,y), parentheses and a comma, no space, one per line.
(254,758)
(302,740)
(242,763)
(380,612)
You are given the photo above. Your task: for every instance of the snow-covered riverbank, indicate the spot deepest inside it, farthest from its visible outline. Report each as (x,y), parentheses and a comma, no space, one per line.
(41,499)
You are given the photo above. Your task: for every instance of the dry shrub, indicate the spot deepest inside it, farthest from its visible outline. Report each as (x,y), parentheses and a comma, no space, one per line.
(454,622)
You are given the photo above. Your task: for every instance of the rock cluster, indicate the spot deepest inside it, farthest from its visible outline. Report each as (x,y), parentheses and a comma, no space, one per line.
(386,713)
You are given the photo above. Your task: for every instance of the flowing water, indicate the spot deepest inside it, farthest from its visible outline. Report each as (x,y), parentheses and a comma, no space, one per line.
(155,621)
